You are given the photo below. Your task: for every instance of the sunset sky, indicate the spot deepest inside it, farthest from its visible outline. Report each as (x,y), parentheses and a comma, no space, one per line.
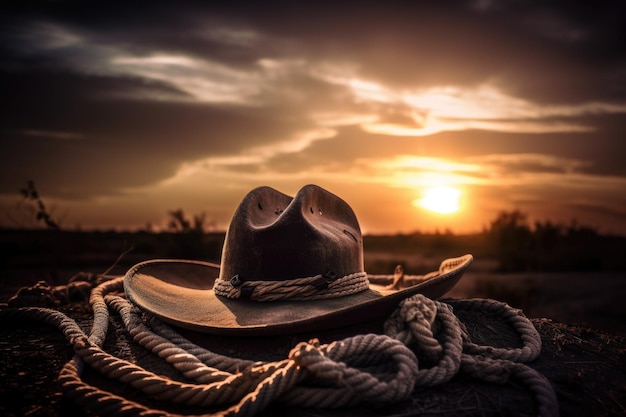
(121,112)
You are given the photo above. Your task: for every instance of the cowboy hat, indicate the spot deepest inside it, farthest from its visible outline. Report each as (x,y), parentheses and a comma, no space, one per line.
(289,264)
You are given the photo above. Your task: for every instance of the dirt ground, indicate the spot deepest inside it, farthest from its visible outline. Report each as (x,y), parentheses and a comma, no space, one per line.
(586,366)
(592,299)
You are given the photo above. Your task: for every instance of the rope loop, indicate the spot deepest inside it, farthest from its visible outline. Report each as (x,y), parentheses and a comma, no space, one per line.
(362,369)
(531,340)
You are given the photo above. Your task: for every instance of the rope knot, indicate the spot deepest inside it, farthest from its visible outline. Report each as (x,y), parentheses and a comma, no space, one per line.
(311,357)
(304,352)
(419,308)
(413,321)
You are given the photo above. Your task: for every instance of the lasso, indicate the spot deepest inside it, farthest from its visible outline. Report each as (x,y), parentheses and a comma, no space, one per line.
(362,369)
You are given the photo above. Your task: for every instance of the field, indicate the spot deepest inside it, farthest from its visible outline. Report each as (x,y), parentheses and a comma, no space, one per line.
(589,298)
(594,299)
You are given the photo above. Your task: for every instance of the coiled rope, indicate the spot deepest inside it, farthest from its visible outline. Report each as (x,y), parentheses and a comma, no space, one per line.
(362,369)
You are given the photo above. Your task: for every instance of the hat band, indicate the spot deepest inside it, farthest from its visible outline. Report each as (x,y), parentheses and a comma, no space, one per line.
(310,288)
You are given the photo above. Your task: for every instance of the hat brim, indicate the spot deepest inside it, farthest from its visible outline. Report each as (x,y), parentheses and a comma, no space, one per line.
(180,292)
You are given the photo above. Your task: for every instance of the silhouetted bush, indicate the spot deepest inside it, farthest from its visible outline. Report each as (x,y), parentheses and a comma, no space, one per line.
(31,197)
(189,236)
(552,247)
(510,240)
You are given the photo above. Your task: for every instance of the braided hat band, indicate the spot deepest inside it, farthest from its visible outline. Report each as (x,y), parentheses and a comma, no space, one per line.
(309,288)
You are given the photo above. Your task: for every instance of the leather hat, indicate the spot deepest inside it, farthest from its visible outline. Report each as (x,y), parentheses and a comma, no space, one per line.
(289,264)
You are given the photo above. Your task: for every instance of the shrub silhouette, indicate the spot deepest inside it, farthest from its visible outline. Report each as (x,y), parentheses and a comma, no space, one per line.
(551,247)
(511,239)
(31,195)
(189,235)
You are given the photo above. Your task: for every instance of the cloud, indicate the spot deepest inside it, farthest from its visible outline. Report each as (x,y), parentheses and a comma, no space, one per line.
(256,159)
(203,81)
(523,164)
(435,109)
(54,135)
(110,101)
(137,141)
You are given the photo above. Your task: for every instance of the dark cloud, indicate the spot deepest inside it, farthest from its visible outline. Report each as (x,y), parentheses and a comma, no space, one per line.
(551,52)
(545,51)
(123,143)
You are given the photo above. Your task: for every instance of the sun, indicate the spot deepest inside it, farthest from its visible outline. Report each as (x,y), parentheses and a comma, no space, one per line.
(442,200)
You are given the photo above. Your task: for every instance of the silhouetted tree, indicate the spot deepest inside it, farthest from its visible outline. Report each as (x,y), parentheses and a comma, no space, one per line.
(576,231)
(511,239)
(31,195)
(180,223)
(190,234)
(551,247)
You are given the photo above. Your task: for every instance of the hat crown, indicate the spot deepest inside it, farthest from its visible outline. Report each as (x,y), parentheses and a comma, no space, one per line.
(274,237)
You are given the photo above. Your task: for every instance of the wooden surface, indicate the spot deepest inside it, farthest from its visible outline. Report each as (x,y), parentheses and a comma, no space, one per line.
(586,367)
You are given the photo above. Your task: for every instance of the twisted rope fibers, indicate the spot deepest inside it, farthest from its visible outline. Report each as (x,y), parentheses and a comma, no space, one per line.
(361,369)
(295,289)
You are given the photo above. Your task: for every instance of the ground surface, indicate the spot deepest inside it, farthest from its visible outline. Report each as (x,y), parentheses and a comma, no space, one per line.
(586,367)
